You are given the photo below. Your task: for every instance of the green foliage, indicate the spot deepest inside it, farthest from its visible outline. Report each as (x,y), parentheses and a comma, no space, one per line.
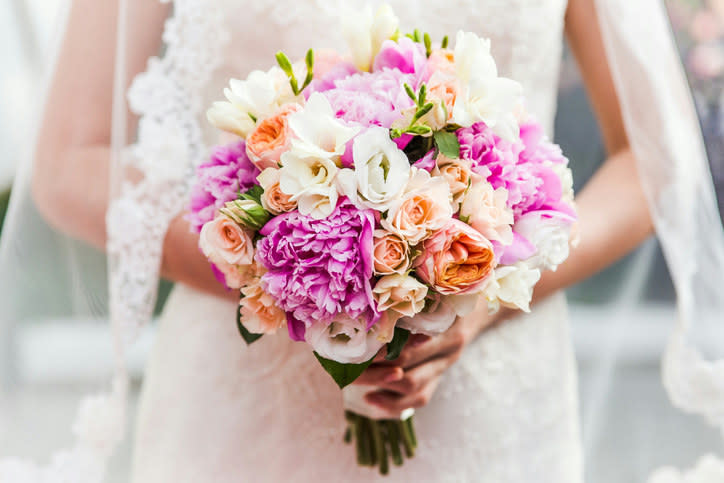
(343,374)
(395,346)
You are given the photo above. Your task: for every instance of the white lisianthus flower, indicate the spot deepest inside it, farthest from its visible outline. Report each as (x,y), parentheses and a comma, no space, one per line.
(317,131)
(401,293)
(344,340)
(381,170)
(251,100)
(550,233)
(440,313)
(484,96)
(365,32)
(309,181)
(512,286)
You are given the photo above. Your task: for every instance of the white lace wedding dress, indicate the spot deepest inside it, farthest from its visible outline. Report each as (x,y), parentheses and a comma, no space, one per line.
(215,410)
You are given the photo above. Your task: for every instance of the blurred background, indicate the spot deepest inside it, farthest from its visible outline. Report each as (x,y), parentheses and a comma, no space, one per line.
(626,449)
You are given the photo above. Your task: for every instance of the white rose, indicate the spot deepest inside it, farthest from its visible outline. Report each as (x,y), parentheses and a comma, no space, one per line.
(380,172)
(318,132)
(310,182)
(401,293)
(484,96)
(486,210)
(512,286)
(365,33)
(550,233)
(344,340)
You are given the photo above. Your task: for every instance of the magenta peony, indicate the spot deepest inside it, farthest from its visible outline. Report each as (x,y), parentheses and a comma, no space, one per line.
(219,180)
(319,269)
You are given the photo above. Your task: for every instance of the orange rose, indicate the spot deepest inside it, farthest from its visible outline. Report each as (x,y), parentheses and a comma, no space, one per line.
(391,253)
(456,259)
(270,139)
(226,243)
(274,200)
(259,312)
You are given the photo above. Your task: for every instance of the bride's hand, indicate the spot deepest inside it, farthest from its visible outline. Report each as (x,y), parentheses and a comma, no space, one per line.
(410,380)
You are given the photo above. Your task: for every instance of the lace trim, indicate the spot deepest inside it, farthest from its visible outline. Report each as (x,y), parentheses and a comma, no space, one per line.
(168,97)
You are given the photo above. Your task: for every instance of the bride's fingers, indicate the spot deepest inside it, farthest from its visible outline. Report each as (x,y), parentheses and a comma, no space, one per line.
(377,375)
(396,403)
(419,377)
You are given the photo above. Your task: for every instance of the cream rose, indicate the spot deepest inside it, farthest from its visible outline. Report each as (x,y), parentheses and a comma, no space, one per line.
(425,206)
(400,293)
(456,172)
(486,210)
(274,200)
(225,242)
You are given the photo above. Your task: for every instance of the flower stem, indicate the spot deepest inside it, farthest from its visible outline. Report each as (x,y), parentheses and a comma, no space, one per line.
(393,436)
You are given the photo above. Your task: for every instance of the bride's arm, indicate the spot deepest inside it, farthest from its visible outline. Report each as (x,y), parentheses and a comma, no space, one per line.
(70,178)
(613,220)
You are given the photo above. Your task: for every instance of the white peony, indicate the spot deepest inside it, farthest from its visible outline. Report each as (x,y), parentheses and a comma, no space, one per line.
(310,181)
(344,340)
(550,234)
(484,96)
(381,170)
(317,131)
(512,286)
(251,100)
(565,174)
(365,32)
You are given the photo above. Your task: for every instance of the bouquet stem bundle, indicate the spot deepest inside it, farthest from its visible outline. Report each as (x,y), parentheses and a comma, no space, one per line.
(378,441)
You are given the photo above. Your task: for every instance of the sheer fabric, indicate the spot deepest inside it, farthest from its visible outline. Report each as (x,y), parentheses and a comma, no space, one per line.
(152,169)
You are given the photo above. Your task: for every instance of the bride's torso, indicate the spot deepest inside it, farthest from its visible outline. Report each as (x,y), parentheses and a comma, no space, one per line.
(511,398)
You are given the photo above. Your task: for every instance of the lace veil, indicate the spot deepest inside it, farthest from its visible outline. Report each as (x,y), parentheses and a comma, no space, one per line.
(47,276)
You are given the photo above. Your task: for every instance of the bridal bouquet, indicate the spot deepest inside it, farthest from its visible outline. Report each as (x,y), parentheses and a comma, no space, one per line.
(370,196)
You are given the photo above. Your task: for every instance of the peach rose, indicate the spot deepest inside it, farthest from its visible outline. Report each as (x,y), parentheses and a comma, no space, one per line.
(391,253)
(226,243)
(270,138)
(456,259)
(400,293)
(425,206)
(457,173)
(486,210)
(259,312)
(442,61)
(274,200)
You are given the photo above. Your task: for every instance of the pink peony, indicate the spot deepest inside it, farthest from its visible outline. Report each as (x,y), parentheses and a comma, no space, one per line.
(319,269)
(404,55)
(219,180)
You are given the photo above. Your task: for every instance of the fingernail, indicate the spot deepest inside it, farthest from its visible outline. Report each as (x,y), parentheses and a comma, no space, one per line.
(393,376)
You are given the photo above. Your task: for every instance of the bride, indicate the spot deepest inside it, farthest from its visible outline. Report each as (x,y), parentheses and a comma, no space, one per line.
(496,395)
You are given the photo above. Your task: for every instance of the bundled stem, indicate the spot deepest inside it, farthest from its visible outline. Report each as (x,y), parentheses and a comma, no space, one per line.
(378,441)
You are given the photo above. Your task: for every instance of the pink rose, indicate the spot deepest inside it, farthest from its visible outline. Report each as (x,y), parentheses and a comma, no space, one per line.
(271,138)
(486,210)
(391,253)
(456,172)
(259,311)
(274,200)
(225,243)
(456,259)
(425,206)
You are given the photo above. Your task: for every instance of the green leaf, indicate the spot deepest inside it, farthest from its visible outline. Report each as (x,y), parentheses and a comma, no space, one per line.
(394,347)
(248,337)
(254,193)
(447,143)
(445,41)
(343,374)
